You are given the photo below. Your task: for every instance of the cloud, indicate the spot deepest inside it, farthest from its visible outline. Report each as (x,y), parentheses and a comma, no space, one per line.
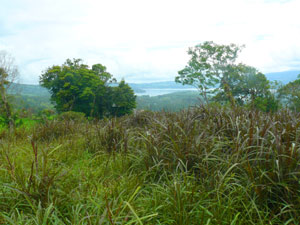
(147,40)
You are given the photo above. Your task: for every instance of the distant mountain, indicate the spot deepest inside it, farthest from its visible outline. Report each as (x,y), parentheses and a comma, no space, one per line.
(284,77)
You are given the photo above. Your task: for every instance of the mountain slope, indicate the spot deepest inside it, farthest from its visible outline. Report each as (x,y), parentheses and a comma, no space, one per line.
(284,77)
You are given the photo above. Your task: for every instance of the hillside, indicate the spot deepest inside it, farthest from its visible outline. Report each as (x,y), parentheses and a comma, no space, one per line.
(283,77)
(172,102)
(29,89)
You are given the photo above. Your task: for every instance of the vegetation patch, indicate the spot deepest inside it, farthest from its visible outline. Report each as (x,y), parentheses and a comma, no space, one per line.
(206,165)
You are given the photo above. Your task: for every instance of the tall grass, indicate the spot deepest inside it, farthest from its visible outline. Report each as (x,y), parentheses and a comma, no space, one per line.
(206,165)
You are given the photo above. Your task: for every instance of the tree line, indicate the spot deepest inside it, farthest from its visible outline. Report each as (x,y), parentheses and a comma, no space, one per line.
(212,69)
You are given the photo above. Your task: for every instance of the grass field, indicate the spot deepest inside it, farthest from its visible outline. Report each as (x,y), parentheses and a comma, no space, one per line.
(206,165)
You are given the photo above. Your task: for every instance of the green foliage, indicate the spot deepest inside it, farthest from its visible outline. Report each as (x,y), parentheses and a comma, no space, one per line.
(38,105)
(206,165)
(249,88)
(290,94)
(75,87)
(208,66)
(123,99)
(34,186)
(47,112)
(33,103)
(245,84)
(212,67)
(172,102)
(8,74)
(268,103)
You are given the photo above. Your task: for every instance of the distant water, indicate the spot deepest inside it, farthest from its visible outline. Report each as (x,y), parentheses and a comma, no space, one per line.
(156,92)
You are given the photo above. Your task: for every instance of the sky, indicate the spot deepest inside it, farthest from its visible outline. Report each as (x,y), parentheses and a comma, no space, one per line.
(146,40)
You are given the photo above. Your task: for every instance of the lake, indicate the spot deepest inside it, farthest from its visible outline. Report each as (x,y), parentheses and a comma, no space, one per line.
(163,91)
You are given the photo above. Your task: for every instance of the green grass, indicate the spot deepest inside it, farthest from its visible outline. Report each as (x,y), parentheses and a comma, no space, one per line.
(26,122)
(206,165)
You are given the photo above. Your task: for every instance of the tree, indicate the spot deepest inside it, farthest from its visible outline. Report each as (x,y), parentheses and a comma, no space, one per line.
(8,75)
(76,87)
(209,66)
(290,94)
(123,99)
(212,69)
(246,84)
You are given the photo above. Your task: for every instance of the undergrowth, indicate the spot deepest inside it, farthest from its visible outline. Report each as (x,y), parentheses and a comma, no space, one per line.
(206,165)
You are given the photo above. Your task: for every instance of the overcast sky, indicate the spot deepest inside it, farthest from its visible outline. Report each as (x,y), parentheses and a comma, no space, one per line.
(145,41)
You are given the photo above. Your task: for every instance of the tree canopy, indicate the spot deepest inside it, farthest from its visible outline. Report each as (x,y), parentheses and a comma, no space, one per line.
(208,66)
(290,94)
(212,68)
(76,87)
(123,99)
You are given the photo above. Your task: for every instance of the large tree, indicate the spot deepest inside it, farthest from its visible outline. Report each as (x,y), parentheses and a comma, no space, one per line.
(8,75)
(209,67)
(212,68)
(245,83)
(76,87)
(249,87)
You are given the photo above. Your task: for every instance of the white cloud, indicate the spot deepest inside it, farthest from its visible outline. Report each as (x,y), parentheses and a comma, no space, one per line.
(143,40)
